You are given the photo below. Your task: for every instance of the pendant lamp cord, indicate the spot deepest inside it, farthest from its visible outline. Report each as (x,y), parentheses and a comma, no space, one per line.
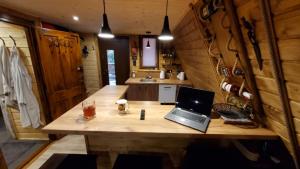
(167,7)
(104,5)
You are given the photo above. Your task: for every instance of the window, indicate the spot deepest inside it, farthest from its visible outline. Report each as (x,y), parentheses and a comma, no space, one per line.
(111,66)
(149,55)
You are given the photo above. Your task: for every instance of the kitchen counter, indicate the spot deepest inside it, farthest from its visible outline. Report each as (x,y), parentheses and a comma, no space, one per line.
(108,120)
(159,81)
(116,133)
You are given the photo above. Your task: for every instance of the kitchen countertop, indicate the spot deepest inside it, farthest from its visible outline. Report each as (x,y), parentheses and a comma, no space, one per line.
(109,121)
(159,81)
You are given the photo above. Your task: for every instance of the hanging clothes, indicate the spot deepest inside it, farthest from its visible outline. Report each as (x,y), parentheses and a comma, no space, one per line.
(5,86)
(27,102)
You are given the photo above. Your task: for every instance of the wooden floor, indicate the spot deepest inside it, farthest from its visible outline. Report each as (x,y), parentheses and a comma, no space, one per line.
(70,144)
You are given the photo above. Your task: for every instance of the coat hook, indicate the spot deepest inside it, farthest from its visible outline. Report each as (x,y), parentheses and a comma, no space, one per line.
(3,41)
(13,40)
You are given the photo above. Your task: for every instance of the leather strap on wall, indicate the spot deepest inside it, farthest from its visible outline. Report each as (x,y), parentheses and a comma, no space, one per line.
(278,73)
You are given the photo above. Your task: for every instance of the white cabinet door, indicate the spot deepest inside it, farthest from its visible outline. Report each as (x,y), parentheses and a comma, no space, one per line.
(167,93)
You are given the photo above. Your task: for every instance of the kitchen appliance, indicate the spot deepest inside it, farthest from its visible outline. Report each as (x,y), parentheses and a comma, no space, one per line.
(180,76)
(162,75)
(167,93)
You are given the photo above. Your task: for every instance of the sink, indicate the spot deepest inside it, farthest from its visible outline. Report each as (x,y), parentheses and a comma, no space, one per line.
(147,80)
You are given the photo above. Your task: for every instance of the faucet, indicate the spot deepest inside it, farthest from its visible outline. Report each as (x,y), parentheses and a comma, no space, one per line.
(148,77)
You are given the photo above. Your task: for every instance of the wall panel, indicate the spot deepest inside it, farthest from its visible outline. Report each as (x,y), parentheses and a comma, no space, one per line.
(193,54)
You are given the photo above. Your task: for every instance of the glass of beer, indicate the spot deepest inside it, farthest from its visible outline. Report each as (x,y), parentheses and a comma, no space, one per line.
(89,109)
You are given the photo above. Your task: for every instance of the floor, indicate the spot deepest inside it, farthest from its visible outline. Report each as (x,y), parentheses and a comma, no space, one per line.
(70,144)
(16,151)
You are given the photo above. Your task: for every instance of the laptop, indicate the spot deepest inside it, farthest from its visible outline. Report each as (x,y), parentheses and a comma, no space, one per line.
(193,108)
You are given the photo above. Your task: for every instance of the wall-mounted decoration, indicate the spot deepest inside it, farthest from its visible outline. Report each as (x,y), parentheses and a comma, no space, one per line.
(209,8)
(85,51)
(134,55)
(253,41)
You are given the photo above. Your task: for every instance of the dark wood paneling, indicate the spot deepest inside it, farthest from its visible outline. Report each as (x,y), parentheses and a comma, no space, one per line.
(143,92)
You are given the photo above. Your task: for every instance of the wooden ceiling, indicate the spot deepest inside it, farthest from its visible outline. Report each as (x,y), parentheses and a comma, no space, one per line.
(125,16)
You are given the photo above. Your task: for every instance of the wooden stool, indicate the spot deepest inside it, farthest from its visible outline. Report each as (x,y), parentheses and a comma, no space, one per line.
(67,161)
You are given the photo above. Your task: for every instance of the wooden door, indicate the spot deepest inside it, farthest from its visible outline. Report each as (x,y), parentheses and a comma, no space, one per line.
(60,58)
(120,46)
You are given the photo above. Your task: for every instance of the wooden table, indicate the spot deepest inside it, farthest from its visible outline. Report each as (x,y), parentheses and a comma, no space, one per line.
(113,132)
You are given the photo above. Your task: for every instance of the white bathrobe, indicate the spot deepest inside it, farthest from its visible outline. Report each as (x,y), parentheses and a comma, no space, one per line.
(27,102)
(5,85)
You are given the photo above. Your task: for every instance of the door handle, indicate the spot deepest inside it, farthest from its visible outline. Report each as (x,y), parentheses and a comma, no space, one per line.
(79,68)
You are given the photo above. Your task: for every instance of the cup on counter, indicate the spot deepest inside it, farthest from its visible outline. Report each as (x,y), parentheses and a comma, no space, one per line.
(122,106)
(89,109)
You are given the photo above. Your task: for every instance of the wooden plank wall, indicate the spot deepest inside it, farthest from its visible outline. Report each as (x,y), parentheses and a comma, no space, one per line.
(193,55)
(286,21)
(195,59)
(91,64)
(18,32)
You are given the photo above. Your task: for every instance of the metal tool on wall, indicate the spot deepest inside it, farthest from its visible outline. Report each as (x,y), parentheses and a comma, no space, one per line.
(219,67)
(209,8)
(253,40)
(235,70)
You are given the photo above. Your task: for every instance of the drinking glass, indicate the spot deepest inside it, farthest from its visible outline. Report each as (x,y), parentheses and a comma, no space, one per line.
(89,109)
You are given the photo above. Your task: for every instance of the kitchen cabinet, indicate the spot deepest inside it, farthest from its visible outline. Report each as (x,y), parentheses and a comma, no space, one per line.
(142,92)
(167,93)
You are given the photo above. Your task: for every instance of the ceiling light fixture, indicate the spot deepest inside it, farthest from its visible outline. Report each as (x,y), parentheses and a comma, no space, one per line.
(75,18)
(148,43)
(105,31)
(166,33)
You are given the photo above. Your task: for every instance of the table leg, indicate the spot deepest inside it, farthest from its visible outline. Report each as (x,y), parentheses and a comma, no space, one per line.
(176,158)
(105,160)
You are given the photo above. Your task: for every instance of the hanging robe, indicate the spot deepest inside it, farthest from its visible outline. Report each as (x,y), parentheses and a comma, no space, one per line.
(5,86)
(27,102)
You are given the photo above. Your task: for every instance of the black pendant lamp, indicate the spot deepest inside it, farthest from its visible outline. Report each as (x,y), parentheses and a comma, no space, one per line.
(166,33)
(148,43)
(105,31)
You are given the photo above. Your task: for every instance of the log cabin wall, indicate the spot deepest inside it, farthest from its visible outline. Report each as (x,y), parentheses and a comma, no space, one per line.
(19,34)
(91,63)
(192,53)
(286,21)
(199,69)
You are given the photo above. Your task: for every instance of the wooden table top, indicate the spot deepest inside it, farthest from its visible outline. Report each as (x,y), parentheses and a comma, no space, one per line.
(109,122)
(159,81)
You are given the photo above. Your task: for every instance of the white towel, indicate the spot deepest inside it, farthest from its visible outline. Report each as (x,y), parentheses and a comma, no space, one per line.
(27,102)
(5,86)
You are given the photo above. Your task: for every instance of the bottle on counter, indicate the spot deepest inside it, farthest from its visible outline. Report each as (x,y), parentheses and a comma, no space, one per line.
(133,74)
(162,74)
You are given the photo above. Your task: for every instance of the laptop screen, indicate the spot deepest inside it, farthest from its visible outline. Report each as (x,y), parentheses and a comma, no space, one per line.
(195,100)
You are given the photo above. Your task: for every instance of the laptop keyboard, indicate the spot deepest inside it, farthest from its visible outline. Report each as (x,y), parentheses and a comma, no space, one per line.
(189,116)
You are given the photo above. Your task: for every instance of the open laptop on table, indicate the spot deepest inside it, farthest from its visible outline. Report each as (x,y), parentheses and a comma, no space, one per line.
(193,108)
